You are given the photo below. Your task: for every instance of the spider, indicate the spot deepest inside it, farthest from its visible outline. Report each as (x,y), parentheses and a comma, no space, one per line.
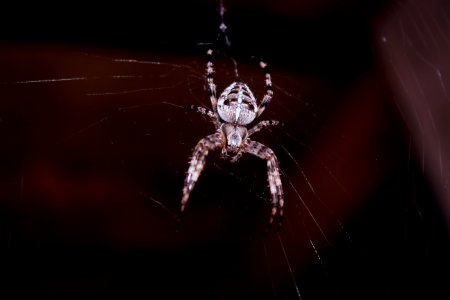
(235,109)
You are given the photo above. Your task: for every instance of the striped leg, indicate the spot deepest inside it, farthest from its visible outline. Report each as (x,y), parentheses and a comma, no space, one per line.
(273,176)
(261,125)
(206,112)
(209,143)
(210,80)
(269,90)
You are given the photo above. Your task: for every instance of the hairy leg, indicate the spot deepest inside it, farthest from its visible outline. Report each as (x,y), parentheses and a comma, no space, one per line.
(273,176)
(269,90)
(206,112)
(262,125)
(210,143)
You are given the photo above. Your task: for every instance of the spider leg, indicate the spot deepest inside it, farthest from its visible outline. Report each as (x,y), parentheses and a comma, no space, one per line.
(210,80)
(261,125)
(269,90)
(209,143)
(236,157)
(206,112)
(273,176)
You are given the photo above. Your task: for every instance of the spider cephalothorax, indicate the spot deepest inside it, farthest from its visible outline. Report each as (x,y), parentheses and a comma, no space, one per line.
(231,113)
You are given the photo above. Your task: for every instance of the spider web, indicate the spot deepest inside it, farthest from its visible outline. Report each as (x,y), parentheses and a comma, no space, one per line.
(96,144)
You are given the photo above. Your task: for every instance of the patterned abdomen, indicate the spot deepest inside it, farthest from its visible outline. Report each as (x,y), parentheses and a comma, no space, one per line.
(237,105)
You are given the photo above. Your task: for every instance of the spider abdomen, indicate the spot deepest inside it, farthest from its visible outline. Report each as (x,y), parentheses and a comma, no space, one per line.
(237,105)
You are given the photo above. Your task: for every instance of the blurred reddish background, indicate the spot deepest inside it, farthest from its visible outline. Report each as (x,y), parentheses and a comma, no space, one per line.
(94,151)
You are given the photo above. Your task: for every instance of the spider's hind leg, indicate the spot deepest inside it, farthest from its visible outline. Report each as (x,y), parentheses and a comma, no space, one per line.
(206,112)
(210,80)
(269,89)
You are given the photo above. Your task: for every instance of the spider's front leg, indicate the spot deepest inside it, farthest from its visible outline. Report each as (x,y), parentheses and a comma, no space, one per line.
(273,176)
(201,150)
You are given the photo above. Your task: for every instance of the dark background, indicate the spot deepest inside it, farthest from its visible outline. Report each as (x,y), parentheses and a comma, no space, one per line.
(78,171)
(330,38)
